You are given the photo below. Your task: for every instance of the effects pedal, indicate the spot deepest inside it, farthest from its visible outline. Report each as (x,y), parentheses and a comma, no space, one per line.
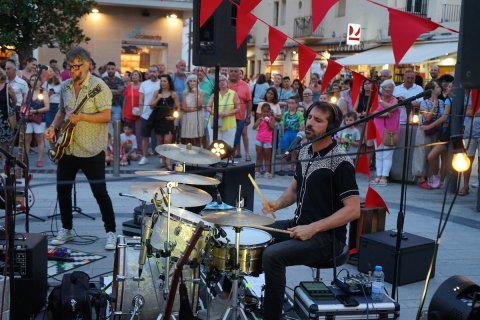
(359,284)
(317,290)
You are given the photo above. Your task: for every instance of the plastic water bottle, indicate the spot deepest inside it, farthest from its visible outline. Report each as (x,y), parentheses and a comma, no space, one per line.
(378,284)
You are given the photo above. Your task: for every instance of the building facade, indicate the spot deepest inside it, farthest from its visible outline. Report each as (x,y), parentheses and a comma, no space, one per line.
(133,34)
(294,18)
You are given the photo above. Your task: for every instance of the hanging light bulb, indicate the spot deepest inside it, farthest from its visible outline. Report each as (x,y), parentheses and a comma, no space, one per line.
(40,96)
(460,161)
(175,114)
(415,119)
(333,99)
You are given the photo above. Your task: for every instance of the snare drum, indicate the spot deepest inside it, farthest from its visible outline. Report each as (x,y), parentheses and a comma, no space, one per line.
(252,244)
(182,228)
(126,285)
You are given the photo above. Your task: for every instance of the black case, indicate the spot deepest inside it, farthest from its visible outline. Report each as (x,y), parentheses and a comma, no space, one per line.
(414,259)
(308,308)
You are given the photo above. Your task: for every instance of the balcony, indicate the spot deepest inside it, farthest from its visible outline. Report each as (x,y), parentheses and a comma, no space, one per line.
(451,13)
(303,29)
(182,5)
(418,8)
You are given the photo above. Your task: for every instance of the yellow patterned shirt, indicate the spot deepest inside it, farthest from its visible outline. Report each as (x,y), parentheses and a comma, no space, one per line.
(89,139)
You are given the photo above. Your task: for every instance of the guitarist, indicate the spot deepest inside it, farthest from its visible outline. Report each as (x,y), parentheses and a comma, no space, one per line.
(86,149)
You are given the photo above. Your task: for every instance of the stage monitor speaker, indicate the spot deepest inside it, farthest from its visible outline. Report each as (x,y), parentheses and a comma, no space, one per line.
(470,69)
(230,178)
(30,269)
(215,42)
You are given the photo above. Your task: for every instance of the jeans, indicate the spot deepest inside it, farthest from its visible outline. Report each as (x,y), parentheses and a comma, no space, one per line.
(94,170)
(289,252)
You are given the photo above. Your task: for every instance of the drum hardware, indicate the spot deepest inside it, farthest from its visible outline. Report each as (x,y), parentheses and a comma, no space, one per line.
(137,304)
(167,245)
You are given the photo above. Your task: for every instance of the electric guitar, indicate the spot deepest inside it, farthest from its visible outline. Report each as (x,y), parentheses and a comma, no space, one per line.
(65,134)
(178,269)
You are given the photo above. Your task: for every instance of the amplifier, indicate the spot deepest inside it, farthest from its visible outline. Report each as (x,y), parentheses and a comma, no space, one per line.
(30,271)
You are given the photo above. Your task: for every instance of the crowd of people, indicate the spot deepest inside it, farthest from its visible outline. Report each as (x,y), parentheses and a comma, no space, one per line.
(159,107)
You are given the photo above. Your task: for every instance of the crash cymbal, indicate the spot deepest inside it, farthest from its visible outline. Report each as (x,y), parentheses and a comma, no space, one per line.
(180,177)
(182,195)
(187,153)
(236,219)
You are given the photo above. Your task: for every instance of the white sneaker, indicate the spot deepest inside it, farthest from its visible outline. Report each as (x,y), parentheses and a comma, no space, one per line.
(111,241)
(63,236)
(143,161)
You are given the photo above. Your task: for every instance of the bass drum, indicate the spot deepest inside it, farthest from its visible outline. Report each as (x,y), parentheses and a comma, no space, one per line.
(126,287)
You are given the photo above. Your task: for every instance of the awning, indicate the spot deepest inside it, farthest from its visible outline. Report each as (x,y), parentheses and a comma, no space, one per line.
(416,54)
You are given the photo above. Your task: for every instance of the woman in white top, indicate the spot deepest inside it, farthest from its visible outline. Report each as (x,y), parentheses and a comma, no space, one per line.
(193,121)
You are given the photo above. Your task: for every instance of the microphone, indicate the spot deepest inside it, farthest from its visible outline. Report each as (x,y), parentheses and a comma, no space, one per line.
(147,232)
(295,143)
(420,95)
(221,232)
(42,67)
(164,197)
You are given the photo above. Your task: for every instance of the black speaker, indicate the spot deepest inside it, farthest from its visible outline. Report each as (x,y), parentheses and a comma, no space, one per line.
(30,268)
(230,178)
(215,42)
(470,69)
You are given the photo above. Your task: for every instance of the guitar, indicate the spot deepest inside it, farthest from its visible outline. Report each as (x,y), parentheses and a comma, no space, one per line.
(178,269)
(65,135)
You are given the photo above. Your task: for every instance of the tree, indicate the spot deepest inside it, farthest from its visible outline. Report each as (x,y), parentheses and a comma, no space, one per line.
(29,24)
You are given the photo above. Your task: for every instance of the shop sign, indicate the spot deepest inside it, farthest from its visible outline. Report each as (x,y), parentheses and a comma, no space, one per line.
(353,34)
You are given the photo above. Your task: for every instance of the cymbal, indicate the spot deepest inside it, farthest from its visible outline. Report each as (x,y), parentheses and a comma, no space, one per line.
(236,219)
(180,177)
(187,153)
(182,195)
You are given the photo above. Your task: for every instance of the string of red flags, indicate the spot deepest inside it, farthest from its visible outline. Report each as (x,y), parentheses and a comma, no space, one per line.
(373,200)
(276,40)
(306,56)
(332,70)
(245,22)
(362,165)
(320,9)
(356,85)
(207,8)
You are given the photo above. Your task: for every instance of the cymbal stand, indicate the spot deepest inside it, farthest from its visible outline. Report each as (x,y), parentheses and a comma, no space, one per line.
(235,308)
(168,246)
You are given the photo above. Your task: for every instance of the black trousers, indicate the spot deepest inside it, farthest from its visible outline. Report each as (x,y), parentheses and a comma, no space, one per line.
(94,170)
(289,252)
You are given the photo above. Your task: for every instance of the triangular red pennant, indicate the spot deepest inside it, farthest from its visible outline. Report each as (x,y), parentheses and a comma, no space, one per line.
(373,199)
(276,40)
(333,69)
(374,99)
(371,130)
(356,86)
(475,101)
(403,37)
(207,8)
(245,23)
(320,9)
(362,165)
(248,6)
(306,56)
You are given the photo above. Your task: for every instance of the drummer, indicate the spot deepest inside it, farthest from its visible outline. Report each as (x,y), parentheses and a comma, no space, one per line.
(326,194)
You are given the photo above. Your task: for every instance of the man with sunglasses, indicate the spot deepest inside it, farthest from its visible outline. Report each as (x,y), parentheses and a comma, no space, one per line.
(89,140)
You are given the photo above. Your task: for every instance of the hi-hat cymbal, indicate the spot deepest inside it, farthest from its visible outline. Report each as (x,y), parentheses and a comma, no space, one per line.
(236,219)
(187,153)
(182,195)
(180,177)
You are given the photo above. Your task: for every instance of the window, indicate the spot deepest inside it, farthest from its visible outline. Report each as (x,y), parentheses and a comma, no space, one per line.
(276,13)
(342,5)
(283,12)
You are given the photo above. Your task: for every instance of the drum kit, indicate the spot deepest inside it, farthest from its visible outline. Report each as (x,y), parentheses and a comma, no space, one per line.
(232,252)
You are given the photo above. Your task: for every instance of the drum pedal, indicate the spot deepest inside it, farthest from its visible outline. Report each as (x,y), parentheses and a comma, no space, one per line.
(138,279)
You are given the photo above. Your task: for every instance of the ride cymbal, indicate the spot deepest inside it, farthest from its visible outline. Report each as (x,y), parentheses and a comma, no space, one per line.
(235,219)
(182,195)
(180,177)
(187,153)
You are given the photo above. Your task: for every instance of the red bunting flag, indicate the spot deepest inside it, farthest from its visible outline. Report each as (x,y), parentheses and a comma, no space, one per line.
(306,56)
(371,130)
(276,40)
(374,99)
(356,85)
(333,69)
(245,23)
(475,101)
(320,9)
(373,199)
(405,28)
(207,8)
(362,165)
(248,6)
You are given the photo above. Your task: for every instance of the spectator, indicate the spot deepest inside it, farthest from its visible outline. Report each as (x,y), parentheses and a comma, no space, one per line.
(472,139)
(418,80)
(387,121)
(431,109)
(52,86)
(315,86)
(8,101)
(307,99)
(131,108)
(65,72)
(364,101)
(53,64)
(36,120)
(164,103)
(29,70)
(206,85)
(117,86)
(228,106)
(265,125)
(19,86)
(286,92)
(445,81)
(179,78)
(258,92)
(193,121)
(434,72)
(298,88)
(147,89)
(271,97)
(277,84)
(345,101)
(129,145)
(292,122)
(407,90)
(349,138)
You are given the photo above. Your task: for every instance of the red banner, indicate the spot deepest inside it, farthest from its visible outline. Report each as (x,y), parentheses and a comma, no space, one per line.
(333,69)
(306,56)
(373,199)
(276,40)
(320,9)
(245,22)
(207,8)
(356,85)
(362,165)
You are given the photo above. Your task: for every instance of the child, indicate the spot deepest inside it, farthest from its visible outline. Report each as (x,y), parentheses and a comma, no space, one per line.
(128,142)
(292,122)
(263,144)
(349,138)
(109,151)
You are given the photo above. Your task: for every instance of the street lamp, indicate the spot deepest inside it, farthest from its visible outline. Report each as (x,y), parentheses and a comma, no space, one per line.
(460,161)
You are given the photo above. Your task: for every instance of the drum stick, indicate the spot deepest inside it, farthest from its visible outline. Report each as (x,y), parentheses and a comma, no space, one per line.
(272,229)
(259,192)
